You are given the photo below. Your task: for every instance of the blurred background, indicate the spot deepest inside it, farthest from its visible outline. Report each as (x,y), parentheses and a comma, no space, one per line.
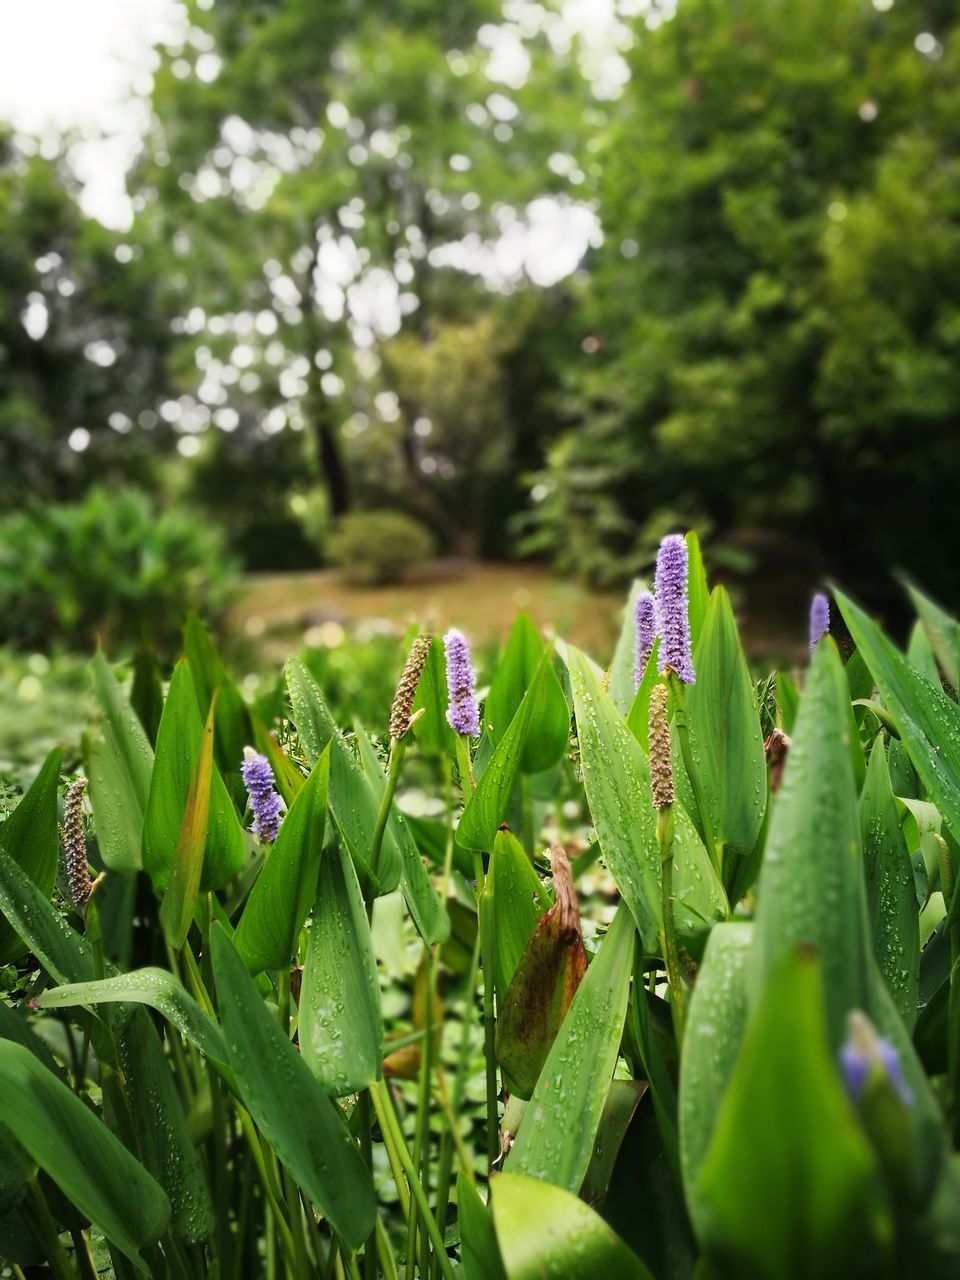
(316,317)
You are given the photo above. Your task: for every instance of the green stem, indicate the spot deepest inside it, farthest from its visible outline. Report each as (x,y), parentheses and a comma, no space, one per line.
(421,1149)
(387,1118)
(489,1024)
(526,811)
(683,735)
(46,1231)
(668,935)
(268,1181)
(366,1151)
(397,748)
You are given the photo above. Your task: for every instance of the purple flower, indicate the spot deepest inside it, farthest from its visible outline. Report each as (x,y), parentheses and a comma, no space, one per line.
(673,625)
(264,801)
(865,1054)
(819,618)
(463,714)
(645,632)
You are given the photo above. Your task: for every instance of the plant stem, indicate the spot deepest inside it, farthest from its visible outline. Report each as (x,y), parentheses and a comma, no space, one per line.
(386,1115)
(397,748)
(489,1025)
(46,1231)
(668,936)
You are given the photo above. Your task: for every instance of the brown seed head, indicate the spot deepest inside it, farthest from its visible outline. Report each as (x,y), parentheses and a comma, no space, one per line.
(661,764)
(407,688)
(74,843)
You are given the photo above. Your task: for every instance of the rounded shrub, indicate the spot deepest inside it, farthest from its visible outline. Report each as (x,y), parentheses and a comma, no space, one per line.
(377,547)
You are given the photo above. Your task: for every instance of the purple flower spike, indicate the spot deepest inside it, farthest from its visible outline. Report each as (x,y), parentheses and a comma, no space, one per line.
(463,714)
(645,623)
(819,618)
(865,1054)
(264,801)
(673,624)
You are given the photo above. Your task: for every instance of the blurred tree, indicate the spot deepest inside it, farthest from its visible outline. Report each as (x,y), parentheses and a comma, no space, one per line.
(327,184)
(83,339)
(770,334)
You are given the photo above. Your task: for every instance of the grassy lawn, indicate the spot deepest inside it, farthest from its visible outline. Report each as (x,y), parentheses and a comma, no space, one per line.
(481,599)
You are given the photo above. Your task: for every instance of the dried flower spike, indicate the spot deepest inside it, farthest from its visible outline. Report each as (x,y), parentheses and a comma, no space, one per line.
(673,624)
(661,763)
(865,1054)
(463,714)
(407,688)
(74,843)
(264,801)
(645,632)
(819,619)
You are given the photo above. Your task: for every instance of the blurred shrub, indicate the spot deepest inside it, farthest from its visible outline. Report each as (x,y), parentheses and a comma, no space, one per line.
(311,510)
(44,702)
(376,547)
(110,567)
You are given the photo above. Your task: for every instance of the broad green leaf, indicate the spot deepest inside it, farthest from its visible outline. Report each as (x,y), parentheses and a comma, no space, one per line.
(788,701)
(341,1028)
(620,675)
(183,888)
(65,954)
(178,749)
(560,1125)
(789,1187)
(716,1020)
(724,728)
(150,986)
(891,893)
(545,978)
(119,763)
(302,1125)
(234,729)
(433,733)
(650,1034)
(478,1239)
(153,1106)
(354,802)
(422,899)
(545,1233)
(288,777)
(280,899)
(146,693)
(617,781)
(550,717)
(927,720)
(698,590)
(89,1165)
(638,717)
(812,883)
(29,837)
(942,631)
(618,1113)
(516,899)
(486,809)
(920,654)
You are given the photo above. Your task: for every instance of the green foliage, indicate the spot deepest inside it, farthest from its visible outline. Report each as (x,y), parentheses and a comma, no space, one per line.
(111,568)
(378,547)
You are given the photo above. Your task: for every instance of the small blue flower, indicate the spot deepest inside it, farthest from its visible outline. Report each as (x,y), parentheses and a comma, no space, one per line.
(673,623)
(865,1054)
(264,801)
(645,633)
(463,714)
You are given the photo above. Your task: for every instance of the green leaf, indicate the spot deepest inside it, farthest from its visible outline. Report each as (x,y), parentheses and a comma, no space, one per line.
(303,1126)
(234,729)
(178,749)
(280,899)
(920,655)
(942,631)
(560,1124)
(481,1255)
(789,1187)
(516,899)
(550,717)
(288,777)
(788,702)
(65,954)
(423,901)
(146,692)
(433,733)
(29,837)
(354,802)
(616,777)
(697,589)
(89,1165)
(716,1020)
(620,675)
(119,762)
(891,893)
(341,1027)
(486,809)
(725,739)
(545,1233)
(183,888)
(150,986)
(618,1113)
(638,717)
(927,720)
(812,883)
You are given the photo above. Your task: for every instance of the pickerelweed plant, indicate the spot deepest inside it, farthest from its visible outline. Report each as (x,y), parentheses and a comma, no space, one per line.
(718,1011)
